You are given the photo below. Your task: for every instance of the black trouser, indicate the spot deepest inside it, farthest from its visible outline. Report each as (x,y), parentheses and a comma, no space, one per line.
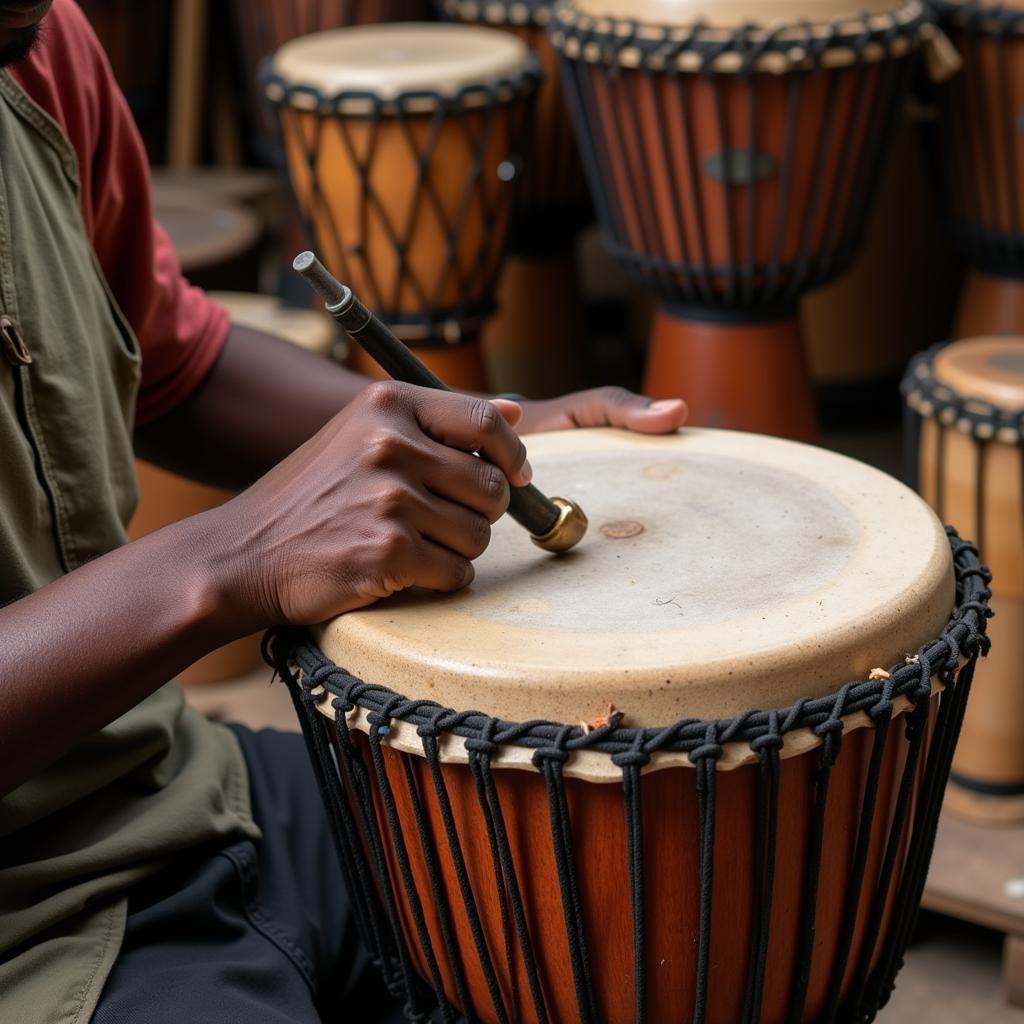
(254,932)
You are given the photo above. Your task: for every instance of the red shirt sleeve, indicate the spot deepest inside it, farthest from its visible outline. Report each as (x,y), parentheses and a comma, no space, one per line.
(180,330)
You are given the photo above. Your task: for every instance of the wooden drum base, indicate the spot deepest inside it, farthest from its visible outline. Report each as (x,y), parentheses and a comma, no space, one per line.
(734,374)
(534,344)
(460,366)
(990,305)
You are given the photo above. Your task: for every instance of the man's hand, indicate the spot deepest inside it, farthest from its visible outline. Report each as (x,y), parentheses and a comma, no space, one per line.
(387,496)
(603,407)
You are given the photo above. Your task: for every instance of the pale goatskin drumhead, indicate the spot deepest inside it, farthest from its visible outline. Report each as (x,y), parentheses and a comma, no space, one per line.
(722,571)
(387,60)
(736,13)
(990,368)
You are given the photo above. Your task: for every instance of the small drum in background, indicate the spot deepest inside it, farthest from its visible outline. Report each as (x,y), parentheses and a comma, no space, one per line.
(534,343)
(165,497)
(606,828)
(217,240)
(264,26)
(404,145)
(733,152)
(976,155)
(966,449)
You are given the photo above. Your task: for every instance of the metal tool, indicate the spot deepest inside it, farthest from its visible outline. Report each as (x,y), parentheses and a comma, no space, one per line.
(554,524)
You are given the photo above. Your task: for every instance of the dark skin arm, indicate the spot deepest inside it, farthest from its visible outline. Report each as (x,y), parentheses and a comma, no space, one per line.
(347,508)
(265,397)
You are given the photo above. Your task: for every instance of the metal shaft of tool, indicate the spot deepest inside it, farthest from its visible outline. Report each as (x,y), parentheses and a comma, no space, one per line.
(527,505)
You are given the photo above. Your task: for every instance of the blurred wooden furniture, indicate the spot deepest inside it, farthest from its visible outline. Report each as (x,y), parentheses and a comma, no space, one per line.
(977,875)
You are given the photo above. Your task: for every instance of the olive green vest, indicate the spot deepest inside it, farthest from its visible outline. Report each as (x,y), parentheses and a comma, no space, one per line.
(160,779)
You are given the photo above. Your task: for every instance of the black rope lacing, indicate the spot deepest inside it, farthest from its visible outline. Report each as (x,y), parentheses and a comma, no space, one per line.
(360,778)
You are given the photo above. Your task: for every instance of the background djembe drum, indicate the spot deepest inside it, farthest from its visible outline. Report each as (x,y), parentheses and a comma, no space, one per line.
(534,343)
(733,151)
(966,414)
(404,143)
(976,155)
(692,860)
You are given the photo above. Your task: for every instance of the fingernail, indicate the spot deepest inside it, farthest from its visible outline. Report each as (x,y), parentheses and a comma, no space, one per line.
(527,471)
(664,404)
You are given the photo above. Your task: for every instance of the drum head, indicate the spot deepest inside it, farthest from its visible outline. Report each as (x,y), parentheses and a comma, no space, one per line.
(722,571)
(991,369)
(732,14)
(388,60)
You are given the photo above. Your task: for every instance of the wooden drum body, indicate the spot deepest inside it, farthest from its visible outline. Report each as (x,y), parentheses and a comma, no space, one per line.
(404,143)
(534,344)
(548,857)
(977,158)
(733,152)
(967,413)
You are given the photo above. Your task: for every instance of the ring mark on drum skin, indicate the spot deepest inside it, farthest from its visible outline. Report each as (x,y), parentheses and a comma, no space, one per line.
(622,529)
(662,470)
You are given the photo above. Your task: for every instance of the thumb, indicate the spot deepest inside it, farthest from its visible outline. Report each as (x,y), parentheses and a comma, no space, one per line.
(647,417)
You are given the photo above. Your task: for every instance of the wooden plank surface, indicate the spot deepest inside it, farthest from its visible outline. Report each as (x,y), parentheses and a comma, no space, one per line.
(977,875)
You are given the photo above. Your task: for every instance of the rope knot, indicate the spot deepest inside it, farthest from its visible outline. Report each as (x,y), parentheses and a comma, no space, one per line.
(706,750)
(479,745)
(552,755)
(631,758)
(769,741)
(341,705)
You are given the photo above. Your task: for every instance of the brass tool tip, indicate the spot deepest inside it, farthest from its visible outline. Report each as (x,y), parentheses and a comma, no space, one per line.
(569,529)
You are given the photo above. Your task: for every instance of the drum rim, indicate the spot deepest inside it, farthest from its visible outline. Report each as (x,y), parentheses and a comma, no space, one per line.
(776,49)
(976,417)
(966,14)
(518,13)
(307,98)
(325,684)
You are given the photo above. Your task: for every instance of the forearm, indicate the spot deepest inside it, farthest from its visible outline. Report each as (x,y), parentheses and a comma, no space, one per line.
(263,398)
(83,650)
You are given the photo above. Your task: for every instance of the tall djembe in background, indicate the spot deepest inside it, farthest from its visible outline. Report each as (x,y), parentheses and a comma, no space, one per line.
(976,155)
(534,344)
(404,145)
(733,151)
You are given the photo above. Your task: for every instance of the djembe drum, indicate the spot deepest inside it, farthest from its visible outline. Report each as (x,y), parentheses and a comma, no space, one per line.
(976,154)
(404,143)
(702,773)
(534,344)
(966,419)
(732,150)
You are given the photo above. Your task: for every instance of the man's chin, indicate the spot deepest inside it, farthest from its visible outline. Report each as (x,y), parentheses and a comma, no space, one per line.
(16,44)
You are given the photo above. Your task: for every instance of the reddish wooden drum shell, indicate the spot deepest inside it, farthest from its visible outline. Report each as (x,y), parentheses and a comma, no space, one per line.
(982,148)
(668,131)
(670,827)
